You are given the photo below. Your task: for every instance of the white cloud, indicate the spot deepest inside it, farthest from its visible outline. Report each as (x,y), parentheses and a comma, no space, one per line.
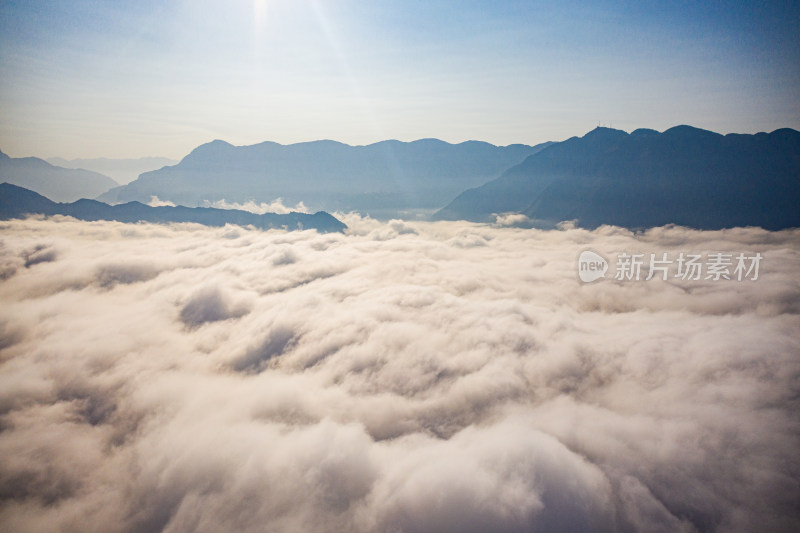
(405,376)
(509,220)
(259,208)
(155,201)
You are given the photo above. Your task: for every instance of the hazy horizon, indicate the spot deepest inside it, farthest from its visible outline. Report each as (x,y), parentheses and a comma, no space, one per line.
(59,161)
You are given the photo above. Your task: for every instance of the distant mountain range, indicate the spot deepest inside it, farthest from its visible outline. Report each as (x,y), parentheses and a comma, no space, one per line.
(60,184)
(685,176)
(120,170)
(16,202)
(385,179)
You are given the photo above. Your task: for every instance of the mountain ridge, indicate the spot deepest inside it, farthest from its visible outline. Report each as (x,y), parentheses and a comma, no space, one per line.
(121,170)
(62,184)
(387,178)
(684,175)
(17,202)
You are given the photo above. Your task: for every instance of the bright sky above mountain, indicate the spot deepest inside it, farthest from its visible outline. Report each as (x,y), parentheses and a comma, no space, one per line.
(128,79)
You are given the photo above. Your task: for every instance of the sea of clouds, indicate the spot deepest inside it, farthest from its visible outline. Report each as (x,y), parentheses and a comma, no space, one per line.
(401,377)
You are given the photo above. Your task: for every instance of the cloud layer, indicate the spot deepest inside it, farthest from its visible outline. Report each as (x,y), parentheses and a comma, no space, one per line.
(402,377)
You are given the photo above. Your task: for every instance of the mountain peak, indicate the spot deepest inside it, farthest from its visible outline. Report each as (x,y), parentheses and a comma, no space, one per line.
(216,144)
(601,133)
(689,132)
(644,132)
(213,148)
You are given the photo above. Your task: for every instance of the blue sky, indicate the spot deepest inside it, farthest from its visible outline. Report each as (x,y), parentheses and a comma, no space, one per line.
(113,79)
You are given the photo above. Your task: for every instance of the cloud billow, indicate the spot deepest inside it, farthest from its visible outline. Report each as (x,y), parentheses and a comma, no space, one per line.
(403,377)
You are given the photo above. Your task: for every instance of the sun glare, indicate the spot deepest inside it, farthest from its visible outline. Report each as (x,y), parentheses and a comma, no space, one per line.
(260,8)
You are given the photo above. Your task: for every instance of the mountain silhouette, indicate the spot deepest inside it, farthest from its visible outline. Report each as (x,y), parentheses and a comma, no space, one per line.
(17,202)
(384,179)
(60,184)
(685,176)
